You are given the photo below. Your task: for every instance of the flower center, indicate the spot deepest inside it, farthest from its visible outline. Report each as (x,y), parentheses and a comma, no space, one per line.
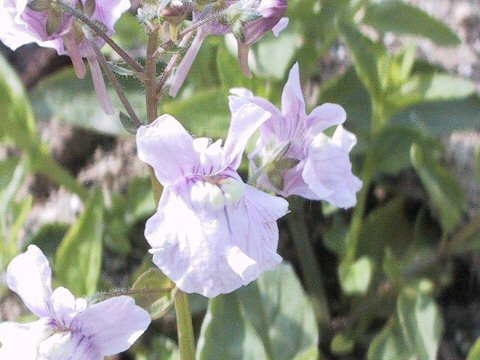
(217,192)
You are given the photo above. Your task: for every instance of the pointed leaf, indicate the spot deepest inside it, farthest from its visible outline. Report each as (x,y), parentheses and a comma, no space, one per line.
(367,57)
(401,18)
(431,87)
(78,260)
(421,322)
(355,277)
(444,191)
(237,325)
(390,344)
(474,353)
(155,292)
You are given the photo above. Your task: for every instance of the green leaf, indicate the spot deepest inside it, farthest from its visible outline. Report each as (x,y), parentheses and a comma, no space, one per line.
(273,55)
(140,202)
(420,321)
(128,123)
(16,177)
(441,118)
(211,121)
(355,277)
(160,347)
(351,94)
(391,266)
(49,237)
(390,344)
(78,259)
(229,71)
(236,323)
(54,20)
(129,32)
(309,354)
(401,18)
(474,353)
(431,87)
(154,292)
(477,165)
(69,99)
(392,147)
(368,56)
(444,191)
(342,344)
(17,126)
(39,5)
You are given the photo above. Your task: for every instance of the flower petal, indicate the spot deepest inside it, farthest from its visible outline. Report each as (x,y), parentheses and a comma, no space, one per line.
(113,325)
(20,341)
(186,63)
(29,275)
(168,148)
(328,171)
(281,25)
(240,96)
(210,250)
(109,11)
(64,306)
(325,116)
(245,121)
(293,104)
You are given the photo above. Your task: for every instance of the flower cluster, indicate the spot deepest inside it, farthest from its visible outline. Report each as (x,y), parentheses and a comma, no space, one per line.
(298,158)
(44,22)
(248,20)
(212,233)
(67,328)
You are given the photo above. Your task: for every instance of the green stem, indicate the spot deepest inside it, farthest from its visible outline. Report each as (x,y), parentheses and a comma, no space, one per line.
(186,338)
(308,263)
(378,120)
(116,85)
(359,210)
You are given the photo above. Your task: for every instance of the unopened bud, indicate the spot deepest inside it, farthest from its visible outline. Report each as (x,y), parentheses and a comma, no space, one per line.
(39,5)
(174,11)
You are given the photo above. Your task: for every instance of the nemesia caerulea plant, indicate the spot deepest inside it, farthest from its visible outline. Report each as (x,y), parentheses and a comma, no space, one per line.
(212,233)
(68,328)
(23,23)
(294,157)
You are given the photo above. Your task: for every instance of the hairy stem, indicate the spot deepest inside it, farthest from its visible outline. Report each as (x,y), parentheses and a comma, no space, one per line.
(116,85)
(186,338)
(98,31)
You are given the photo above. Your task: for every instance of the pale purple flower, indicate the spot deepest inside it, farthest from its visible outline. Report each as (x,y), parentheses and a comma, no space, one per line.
(21,25)
(67,329)
(315,166)
(212,233)
(270,14)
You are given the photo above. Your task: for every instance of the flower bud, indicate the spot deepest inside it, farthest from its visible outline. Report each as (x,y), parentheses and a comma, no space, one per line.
(174,12)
